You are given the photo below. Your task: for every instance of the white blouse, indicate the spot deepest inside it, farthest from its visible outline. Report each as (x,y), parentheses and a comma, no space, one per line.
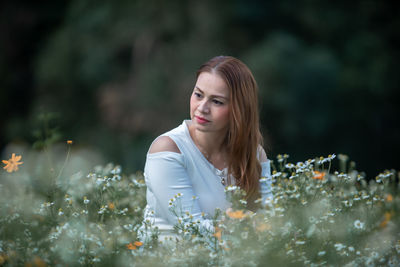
(191,175)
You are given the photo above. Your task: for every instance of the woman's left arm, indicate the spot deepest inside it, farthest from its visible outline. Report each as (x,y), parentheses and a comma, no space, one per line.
(266,178)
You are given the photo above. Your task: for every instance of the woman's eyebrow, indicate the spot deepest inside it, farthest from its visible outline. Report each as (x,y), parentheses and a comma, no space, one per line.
(220,96)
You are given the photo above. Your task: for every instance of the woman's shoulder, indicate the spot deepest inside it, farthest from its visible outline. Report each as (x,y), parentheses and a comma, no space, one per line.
(172,141)
(261,155)
(164,144)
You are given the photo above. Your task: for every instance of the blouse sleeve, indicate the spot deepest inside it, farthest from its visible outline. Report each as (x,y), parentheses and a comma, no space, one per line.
(167,177)
(266,182)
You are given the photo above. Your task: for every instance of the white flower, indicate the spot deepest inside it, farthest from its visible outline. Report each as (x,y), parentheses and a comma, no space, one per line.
(339,246)
(358,224)
(231,188)
(116,170)
(213,255)
(276,174)
(102,210)
(321,253)
(347,203)
(312,219)
(95,259)
(289,166)
(374,254)
(369,262)
(393,262)
(85,200)
(311,230)
(242,201)
(397,247)
(244,235)
(125,210)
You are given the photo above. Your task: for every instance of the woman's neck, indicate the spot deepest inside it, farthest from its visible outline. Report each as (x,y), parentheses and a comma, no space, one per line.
(209,143)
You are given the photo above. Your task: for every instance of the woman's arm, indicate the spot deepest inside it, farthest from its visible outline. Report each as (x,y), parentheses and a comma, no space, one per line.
(266,178)
(166,177)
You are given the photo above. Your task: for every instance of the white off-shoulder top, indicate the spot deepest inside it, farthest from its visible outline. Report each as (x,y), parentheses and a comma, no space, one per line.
(191,175)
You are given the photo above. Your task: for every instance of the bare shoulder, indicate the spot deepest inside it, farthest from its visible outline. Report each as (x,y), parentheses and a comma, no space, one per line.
(164,144)
(262,156)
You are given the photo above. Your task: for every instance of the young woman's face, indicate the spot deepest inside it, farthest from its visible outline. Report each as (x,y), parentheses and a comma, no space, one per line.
(209,103)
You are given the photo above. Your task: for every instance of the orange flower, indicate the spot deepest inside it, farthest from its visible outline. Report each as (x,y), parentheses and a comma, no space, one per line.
(235,214)
(138,243)
(111,206)
(12,164)
(135,245)
(263,227)
(70,142)
(131,246)
(389,198)
(39,262)
(319,175)
(218,233)
(387,215)
(3,259)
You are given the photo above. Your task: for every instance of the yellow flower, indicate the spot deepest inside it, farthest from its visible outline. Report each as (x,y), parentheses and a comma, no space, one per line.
(319,175)
(12,164)
(70,142)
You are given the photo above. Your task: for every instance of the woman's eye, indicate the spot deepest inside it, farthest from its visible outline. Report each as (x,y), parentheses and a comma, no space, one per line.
(217,102)
(197,94)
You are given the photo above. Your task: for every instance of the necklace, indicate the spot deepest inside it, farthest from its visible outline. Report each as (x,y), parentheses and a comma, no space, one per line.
(223,177)
(222,174)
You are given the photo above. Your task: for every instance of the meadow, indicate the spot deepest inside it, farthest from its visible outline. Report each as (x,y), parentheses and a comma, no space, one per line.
(58,211)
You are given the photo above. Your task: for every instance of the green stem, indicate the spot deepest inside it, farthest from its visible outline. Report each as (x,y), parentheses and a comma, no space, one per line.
(65,162)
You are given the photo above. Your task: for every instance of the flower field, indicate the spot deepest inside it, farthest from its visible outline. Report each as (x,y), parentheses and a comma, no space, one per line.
(55,214)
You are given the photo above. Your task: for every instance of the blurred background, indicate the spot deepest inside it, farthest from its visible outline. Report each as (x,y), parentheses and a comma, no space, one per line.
(113,75)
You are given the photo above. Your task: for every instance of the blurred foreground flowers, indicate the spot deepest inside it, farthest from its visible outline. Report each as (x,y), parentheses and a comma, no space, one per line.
(12,164)
(317,217)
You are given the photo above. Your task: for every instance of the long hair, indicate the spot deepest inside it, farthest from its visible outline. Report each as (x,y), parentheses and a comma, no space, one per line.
(243,137)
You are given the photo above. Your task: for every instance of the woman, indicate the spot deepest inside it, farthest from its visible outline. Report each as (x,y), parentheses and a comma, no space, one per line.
(219,146)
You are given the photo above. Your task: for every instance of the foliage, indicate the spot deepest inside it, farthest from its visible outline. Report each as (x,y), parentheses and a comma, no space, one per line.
(317,217)
(327,71)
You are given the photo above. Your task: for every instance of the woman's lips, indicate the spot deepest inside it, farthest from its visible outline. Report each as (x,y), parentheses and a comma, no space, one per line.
(201,120)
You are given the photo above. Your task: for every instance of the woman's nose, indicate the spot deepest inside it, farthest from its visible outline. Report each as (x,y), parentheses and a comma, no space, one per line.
(203,106)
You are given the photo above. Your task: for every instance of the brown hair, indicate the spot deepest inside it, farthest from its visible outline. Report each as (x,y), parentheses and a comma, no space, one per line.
(243,137)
